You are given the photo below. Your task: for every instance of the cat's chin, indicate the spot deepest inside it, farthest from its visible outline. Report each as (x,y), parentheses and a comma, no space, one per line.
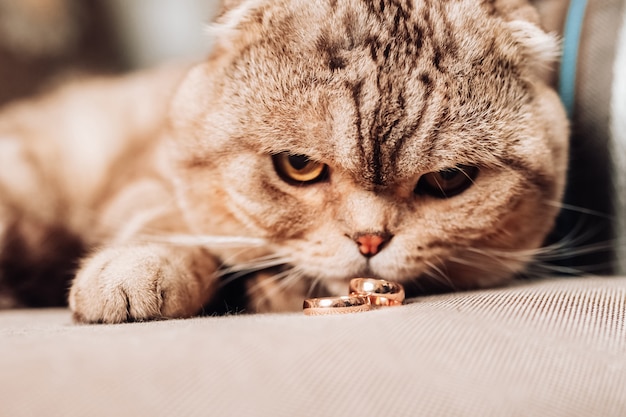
(339,286)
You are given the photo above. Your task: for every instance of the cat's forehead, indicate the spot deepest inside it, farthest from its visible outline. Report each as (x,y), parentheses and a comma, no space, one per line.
(380,87)
(401,34)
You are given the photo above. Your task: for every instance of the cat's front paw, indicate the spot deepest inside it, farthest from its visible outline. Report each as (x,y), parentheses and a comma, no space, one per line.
(139,283)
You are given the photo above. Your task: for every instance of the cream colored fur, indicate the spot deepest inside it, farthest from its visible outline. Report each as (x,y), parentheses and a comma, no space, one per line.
(167,176)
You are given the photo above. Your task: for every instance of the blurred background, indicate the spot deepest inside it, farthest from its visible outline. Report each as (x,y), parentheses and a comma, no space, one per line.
(44,42)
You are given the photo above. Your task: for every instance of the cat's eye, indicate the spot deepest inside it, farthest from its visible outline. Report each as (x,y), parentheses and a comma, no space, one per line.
(448,182)
(299,169)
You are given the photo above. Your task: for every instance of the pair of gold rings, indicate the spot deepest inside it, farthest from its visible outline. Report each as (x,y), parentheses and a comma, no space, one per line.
(365,294)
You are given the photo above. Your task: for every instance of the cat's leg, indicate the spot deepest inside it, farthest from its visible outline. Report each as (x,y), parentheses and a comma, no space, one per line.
(142,282)
(35,246)
(137,274)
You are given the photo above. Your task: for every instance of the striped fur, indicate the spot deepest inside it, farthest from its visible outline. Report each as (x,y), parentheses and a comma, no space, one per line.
(383,92)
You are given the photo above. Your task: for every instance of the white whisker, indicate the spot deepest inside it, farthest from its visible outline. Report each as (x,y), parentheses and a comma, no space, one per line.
(290,280)
(208,240)
(557,251)
(578,209)
(283,279)
(246,268)
(497,255)
(438,274)
(536,269)
(316,282)
(255,264)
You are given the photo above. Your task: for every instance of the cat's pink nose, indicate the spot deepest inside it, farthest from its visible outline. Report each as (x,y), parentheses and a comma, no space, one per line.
(371,243)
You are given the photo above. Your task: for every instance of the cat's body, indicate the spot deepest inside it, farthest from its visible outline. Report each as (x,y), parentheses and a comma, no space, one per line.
(434,148)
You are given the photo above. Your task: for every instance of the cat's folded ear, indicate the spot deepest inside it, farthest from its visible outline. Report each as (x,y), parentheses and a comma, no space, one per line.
(228,21)
(541,50)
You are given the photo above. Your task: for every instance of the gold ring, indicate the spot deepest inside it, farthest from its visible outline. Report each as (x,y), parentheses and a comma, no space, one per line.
(380,292)
(336,305)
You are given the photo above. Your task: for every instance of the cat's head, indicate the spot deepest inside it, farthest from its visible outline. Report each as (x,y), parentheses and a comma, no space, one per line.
(390,138)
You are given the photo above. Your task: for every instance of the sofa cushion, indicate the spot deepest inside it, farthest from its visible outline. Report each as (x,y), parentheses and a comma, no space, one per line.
(550,348)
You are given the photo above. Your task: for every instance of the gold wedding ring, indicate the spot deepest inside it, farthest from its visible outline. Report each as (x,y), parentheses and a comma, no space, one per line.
(336,305)
(365,293)
(381,293)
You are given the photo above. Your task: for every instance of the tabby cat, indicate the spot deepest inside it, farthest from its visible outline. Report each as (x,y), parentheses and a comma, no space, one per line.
(411,140)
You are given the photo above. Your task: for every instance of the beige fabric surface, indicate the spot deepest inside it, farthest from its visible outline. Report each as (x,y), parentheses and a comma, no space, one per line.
(552,348)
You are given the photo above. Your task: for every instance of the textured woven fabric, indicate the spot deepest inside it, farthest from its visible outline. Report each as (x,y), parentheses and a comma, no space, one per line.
(553,348)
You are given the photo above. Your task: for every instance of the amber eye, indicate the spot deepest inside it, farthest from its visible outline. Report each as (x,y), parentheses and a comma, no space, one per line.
(448,182)
(299,168)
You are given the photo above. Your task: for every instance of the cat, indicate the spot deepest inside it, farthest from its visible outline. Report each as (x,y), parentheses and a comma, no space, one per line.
(409,140)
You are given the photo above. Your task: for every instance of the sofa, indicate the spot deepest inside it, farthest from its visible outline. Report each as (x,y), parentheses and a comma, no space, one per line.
(554,346)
